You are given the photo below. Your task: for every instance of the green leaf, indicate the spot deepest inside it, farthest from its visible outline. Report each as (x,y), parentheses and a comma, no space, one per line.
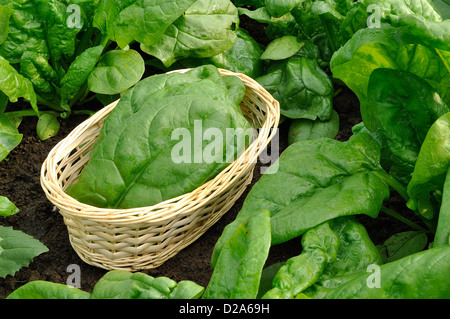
(120,284)
(303,89)
(278,8)
(431,166)
(302,129)
(422,275)
(282,48)
(7,208)
(144,21)
(44,78)
(300,197)
(117,71)
(9,136)
(17,250)
(206,29)
(237,272)
(243,57)
(320,245)
(403,244)
(129,167)
(47,290)
(78,74)
(14,85)
(5,13)
(404,106)
(47,126)
(442,236)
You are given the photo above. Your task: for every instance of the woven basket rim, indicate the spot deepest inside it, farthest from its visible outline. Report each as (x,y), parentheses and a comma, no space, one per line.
(186,202)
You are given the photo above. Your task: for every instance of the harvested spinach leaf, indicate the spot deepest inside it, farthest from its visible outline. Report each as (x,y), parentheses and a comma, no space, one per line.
(139,159)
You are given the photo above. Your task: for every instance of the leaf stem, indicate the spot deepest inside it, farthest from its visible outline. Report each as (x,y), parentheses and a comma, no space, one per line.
(402,219)
(392,182)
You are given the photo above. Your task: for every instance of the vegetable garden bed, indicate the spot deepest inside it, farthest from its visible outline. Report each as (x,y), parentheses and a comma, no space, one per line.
(364,89)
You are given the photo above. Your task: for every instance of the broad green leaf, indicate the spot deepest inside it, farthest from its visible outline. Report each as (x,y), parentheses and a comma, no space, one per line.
(144,21)
(14,85)
(278,8)
(60,35)
(300,197)
(47,290)
(442,235)
(9,136)
(44,78)
(117,71)
(119,284)
(303,89)
(442,7)
(431,166)
(422,275)
(47,126)
(331,251)
(403,244)
(392,48)
(237,272)
(243,57)
(7,208)
(5,13)
(78,74)
(421,8)
(17,250)
(404,106)
(302,129)
(206,29)
(282,48)
(160,123)
(319,247)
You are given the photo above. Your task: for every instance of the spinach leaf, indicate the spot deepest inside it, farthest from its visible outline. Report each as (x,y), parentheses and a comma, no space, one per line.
(302,129)
(14,85)
(431,167)
(78,73)
(403,244)
(442,236)
(117,71)
(331,251)
(144,21)
(300,197)
(422,275)
(47,126)
(5,13)
(282,48)
(393,48)
(242,57)
(9,136)
(320,245)
(119,284)
(39,289)
(206,28)
(404,106)
(7,208)
(303,89)
(237,272)
(142,135)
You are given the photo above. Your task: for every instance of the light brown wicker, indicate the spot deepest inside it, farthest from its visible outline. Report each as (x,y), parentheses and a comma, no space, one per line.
(145,237)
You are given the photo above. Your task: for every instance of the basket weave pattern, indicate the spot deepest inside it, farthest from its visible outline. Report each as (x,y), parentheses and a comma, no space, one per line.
(145,237)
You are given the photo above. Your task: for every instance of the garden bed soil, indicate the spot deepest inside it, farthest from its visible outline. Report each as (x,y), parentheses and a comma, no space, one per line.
(20,182)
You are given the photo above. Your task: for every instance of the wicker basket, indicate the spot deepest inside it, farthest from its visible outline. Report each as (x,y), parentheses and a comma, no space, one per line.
(145,237)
